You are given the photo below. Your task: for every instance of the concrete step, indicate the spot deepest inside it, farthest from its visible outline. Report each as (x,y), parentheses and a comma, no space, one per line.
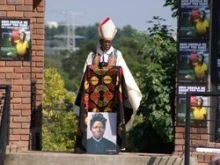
(62,158)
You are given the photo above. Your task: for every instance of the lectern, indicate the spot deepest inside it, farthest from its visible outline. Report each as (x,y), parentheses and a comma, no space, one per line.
(102,91)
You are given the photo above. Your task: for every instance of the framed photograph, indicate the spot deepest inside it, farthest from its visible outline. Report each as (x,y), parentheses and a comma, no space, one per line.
(15,39)
(194,19)
(101,133)
(193,62)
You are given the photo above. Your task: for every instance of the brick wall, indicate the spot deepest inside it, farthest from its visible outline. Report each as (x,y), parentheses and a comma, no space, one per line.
(196,140)
(20,74)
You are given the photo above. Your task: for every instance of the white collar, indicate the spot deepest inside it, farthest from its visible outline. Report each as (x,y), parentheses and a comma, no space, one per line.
(99,50)
(97,140)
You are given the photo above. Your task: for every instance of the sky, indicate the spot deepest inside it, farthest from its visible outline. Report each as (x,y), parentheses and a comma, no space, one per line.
(122,12)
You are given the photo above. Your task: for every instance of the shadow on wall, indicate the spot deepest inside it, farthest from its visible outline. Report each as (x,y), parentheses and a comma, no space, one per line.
(36,129)
(36,3)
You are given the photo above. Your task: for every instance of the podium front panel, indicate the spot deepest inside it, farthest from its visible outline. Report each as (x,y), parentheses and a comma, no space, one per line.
(102,90)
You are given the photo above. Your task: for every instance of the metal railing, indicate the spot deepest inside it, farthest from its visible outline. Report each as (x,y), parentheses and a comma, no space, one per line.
(201,133)
(5,120)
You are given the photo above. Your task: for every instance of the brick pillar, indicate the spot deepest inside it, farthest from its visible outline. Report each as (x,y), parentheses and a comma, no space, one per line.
(20,74)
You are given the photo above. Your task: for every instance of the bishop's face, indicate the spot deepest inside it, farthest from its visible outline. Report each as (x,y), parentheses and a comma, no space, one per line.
(97,130)
(105,44)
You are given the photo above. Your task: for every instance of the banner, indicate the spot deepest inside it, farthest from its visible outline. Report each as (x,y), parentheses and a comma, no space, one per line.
(199,110)
(193,62)
(15,39)
(194,19)
(181,104)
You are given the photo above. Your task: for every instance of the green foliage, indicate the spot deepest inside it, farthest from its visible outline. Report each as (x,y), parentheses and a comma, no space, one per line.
(59,122)
(174,6)
(58,131)
(157,81)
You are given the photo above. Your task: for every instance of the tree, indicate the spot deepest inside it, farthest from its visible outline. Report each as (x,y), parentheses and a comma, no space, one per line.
(174,6)
(156,78)
(59,121)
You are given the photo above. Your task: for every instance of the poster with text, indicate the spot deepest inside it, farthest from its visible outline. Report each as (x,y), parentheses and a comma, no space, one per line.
(15,39)
(194,19)
(193,62)
(194,110)
(101,133)
(198,111)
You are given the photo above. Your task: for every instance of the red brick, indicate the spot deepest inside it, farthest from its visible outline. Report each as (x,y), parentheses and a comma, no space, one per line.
(38,47)
(2,63)
(13,63)
(40,9)
(195,136)
(28,2)
(39,75)
(15,125)
(37,70)
(26,112)
(39,64)
(13,76)
(179,136)
(179,141)
(26,100)
(22,82)
(21,119)
(3,14)
(14,137)
(25,137)
(7,7)
(6,70)
(21,106)
(23,8)
(3,2)
(15,14)
(38,25)
(14,2)
(2,75)
(178,148)
(20,131)
(39,86)
(22,69)
(15,100)
(204,137)
(26,76)
(15,113)
(40,20)
(37,58)
(26,88)
(27,64)
(40,31)
(16,88)
(40,53)
(6,81)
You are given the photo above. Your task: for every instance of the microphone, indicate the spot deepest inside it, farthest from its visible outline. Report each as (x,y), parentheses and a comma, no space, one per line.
(102,63)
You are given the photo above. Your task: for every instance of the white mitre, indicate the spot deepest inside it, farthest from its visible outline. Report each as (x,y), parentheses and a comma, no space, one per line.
(107,29)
